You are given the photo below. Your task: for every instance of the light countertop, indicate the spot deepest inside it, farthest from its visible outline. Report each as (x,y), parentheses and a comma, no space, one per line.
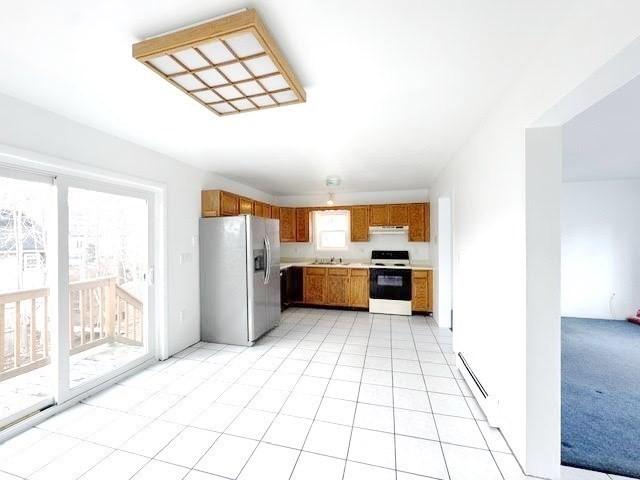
(286,263)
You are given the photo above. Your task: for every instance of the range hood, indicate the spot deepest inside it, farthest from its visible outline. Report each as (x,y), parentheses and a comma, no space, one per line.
(398,230)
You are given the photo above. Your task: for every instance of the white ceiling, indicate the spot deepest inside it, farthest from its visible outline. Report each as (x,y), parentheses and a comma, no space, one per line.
(603,142)
(393,87)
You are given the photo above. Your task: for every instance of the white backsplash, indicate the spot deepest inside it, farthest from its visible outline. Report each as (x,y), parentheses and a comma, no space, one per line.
(418,251)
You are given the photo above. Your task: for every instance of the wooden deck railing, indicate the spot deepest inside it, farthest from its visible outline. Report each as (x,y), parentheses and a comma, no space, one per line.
(100,311)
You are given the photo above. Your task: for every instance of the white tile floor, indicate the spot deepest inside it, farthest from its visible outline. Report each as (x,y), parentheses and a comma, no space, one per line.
(327,395)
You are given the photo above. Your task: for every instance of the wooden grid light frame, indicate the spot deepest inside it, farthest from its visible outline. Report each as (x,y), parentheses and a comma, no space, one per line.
(218,64)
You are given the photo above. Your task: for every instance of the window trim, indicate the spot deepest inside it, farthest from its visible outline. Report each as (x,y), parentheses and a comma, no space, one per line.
(318,232)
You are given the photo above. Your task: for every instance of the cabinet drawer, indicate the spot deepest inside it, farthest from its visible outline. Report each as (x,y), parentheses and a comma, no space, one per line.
(315,271)
(338,272)
(359,272)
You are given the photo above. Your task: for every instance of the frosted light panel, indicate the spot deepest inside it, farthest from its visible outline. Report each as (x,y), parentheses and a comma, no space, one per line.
(261,66)
(243,104)
(191,59)
(263,101)
(230,92)
(245,45)
(207,96)
(188,82)
(284,97)
(229,64)
(235,72)
(273,83)
(223,108)
(211,77)
(166,65)
(250,88)
(216,52)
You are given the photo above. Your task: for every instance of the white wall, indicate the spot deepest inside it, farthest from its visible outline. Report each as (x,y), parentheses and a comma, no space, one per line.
(491,247)
(418,251)
(354,198)
(600,254)
(31,128)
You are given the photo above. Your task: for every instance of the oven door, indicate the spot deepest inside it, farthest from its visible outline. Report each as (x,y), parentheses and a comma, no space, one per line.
(390,283)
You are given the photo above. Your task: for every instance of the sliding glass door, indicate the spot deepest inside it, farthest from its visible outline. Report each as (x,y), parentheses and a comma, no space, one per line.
(76,295)
(108,257)
(25,315)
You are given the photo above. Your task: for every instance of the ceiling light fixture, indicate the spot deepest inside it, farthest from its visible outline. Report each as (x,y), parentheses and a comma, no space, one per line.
(331,200)
(332,181)
(230,64)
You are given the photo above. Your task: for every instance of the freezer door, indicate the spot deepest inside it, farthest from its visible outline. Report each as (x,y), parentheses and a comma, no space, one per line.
(273,288)
(258,276)
(223,280)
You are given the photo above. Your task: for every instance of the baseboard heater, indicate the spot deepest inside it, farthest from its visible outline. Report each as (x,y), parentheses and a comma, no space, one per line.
(489,404)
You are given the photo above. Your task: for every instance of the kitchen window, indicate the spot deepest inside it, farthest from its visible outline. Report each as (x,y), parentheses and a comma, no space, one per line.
(331,229)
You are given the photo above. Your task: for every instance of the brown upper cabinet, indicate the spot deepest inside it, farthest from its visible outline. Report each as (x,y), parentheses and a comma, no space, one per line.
(287,224)
(379,215)
(246,206)
(302,225)
(216,203)
(360,224)
(266,210)
(258,209)
(418,216)
(398,215)
(295,225)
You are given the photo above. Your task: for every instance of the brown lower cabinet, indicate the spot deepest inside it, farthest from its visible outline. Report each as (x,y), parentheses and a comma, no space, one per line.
(422,290)
(340,287)
(314,285)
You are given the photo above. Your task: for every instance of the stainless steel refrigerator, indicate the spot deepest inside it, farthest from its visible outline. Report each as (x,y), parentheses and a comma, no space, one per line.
(239,278)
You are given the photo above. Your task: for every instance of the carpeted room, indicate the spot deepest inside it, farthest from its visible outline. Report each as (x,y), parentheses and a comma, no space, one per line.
(601,286)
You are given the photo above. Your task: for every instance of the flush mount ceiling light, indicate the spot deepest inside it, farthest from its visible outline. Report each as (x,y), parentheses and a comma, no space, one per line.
(332,181)
(230,64)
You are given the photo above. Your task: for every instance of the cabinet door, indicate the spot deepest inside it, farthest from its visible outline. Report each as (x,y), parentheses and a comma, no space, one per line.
(245,206)
(315,285)
(266,210)
(360,224)
(275,212)
(379,215)
(419,290)
(228,203)
(302,225)
(210,203)
(287,224)
(258,209)
(417,222)
(359,287)
(337,286)
(398,215)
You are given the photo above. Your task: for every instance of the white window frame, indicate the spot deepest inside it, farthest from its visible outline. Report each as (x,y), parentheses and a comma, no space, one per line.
(28,165)
(318,232)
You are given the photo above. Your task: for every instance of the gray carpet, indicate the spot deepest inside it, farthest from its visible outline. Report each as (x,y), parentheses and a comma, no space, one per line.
(601,395)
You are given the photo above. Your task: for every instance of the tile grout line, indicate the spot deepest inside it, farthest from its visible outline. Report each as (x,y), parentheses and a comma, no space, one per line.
(371,320)
(444,458)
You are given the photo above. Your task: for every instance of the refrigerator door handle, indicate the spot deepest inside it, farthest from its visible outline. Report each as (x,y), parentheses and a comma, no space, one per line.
(267,268)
